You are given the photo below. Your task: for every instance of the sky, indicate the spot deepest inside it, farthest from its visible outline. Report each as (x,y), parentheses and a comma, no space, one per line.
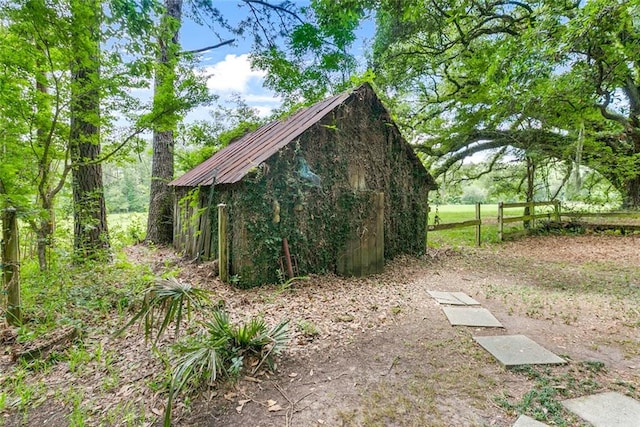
(228,68)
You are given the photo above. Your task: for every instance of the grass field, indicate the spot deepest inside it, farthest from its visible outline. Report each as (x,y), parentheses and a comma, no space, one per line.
(466,236)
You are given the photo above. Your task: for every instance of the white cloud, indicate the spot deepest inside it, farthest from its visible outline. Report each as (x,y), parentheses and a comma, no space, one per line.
(266,98)
(234,74)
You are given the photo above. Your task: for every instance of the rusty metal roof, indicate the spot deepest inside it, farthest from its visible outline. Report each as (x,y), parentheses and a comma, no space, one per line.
(233,162)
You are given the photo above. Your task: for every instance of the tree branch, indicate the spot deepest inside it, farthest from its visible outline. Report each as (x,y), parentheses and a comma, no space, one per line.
(275,7)
(204,49)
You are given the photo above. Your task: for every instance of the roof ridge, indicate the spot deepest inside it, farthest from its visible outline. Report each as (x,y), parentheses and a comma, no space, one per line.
(233,162)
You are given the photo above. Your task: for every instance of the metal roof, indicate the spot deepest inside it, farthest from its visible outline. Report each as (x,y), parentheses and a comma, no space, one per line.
(233,162)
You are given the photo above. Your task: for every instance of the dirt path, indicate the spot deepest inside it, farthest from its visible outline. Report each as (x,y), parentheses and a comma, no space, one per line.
(408,366)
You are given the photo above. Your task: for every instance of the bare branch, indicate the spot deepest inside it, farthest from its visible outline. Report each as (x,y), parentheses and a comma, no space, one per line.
(204,49)
(275,7)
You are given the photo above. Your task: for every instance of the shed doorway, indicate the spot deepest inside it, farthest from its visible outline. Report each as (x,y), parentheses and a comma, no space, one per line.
(363,253)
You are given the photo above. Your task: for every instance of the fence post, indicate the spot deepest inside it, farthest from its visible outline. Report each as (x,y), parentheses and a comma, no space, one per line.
(11,265)
(223,254)
(426,230)
(500,223)
(532,212)
(478,225)
(556,208)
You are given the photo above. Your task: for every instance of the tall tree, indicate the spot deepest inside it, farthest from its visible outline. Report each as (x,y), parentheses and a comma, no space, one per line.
(264,21)
(466,76)
(32,59)
(160,219)
(475,75)
(62,95)
(90,220)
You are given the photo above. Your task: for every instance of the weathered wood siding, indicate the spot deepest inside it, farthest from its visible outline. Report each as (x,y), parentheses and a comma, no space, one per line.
(192,227)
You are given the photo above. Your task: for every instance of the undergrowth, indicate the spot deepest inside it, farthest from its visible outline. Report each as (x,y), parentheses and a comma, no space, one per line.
(82,295)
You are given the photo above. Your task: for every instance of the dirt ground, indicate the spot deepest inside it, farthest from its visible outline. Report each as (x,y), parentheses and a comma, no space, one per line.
(379,351)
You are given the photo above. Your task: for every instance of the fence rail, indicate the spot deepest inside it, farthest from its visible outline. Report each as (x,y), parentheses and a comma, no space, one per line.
(529,218)
(462,224)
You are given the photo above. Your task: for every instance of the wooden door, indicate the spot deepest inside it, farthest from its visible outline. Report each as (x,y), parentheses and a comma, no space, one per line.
(364,251)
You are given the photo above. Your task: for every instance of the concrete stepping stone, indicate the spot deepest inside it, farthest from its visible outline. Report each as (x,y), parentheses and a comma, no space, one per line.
(453,298)
(525,421)
(609,409)
(471,316)
(515,350)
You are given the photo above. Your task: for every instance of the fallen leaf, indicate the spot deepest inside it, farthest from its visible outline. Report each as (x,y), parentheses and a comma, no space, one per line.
(230,396)
(274,408)
(157,411)
(125,390)
(270,402)
(241,404)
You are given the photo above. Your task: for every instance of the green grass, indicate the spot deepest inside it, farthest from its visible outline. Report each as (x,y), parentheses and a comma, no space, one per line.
(444,214)
(466,236)
(550,387)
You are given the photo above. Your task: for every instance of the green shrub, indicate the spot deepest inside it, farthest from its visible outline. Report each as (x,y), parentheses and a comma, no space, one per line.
(220,351)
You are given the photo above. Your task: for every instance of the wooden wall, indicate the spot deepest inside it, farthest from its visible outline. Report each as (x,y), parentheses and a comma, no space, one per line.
(191,224)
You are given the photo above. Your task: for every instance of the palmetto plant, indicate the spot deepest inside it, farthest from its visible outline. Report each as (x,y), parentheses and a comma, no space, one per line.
(164,302)
(219,351)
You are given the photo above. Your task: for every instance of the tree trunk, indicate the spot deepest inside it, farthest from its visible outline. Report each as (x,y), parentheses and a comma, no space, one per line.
(11,265)
(531,173)
(631,199)
(160,220)
(44,229)
(43,233)
(89,211)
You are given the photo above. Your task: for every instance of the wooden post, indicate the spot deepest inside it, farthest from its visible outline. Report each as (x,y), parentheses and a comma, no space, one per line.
(11,265)
(478,226)
(532,211)
(426,230)
(379,267)
(223,253)
(500,223)
(556,209)
(287,257)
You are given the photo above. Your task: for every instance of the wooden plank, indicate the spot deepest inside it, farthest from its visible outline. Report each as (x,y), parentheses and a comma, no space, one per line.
(597,226)
(450,225)
(601,214)
(525,218)
(348,262)
(363,252)
(525,204)
(223,254)
(380,234)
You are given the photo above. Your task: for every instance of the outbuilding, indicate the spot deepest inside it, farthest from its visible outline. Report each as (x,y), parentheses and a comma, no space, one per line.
(332,188)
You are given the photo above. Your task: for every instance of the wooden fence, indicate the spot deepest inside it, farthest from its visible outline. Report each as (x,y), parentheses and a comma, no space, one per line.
(477,222)
(529,218)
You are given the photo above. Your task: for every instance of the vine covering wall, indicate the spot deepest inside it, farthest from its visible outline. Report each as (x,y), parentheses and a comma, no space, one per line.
(316,192)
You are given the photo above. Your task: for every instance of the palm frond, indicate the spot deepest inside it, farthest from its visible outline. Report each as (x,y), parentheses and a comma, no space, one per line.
(167,299)
(202,359)
(219,350)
